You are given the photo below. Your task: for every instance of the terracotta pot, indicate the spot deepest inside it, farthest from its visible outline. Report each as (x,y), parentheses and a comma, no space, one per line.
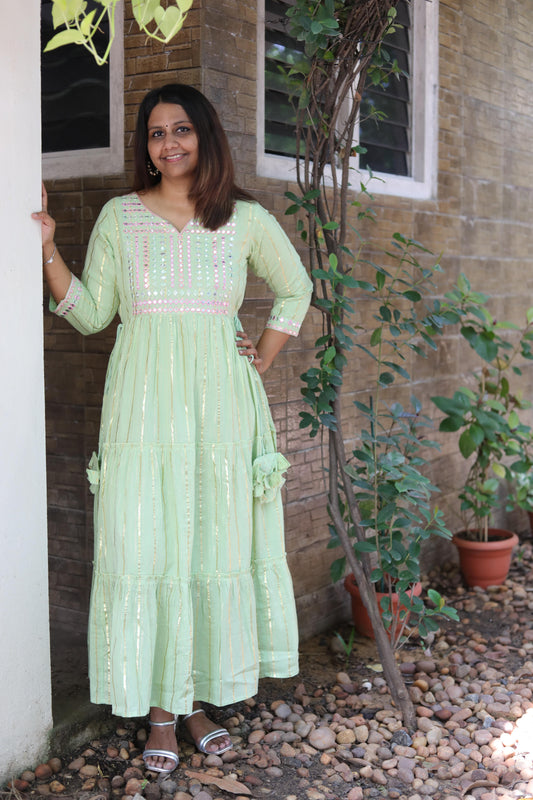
(360,617)
(486,563)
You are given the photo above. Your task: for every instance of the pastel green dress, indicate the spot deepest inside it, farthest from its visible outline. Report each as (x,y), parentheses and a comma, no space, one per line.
(191,595)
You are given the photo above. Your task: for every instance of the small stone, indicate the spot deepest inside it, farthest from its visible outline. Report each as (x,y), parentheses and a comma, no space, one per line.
(283,711)
(133,772)
(426,665)
(482,737)
(42,772)
(117,781)
(274,737)
(18,784)
(168,786)
(123,753)
(322,738)
(56,787)
(378,777)
(361,734)
(112,752)
(28,775)
(213,760)
(89,771)
(287,751)
(303,728)
(55,765)
(256,736)
(77,764)
(355,794)
(346,737)
(152,791)
(134,786)
(274,772)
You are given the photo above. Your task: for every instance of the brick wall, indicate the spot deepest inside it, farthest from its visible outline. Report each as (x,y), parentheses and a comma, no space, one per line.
(480,220)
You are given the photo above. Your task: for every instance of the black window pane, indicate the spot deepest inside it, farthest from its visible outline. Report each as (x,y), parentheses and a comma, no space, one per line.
(386,110)
(75,92)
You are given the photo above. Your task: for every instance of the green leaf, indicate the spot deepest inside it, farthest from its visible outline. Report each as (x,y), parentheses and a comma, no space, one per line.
(329,355)
(64,37)
(499,470)
(337,569)
(170,22)
(435,597)
(451,424)
(385,379)
(467,445)
(66,11)
(144,11)
(412,295)
(514,420)
(365,547)
(85,26)
(376,337)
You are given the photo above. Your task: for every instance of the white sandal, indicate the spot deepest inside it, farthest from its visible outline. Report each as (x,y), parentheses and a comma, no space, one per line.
(216,734)
(166,754)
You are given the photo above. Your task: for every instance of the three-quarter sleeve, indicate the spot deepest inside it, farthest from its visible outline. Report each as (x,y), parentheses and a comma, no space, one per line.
(92,302)
(274,259)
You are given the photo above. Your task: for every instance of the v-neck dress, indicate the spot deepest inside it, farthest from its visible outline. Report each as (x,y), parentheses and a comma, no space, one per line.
(191,595)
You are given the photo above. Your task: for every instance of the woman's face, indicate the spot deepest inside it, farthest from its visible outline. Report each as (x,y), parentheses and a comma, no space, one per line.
(172,142)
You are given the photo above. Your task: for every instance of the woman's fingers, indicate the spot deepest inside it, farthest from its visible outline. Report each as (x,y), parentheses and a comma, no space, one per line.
(44,197)
(246,347)
(47,225)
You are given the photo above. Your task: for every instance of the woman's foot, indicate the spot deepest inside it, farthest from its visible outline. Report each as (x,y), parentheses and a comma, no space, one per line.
(208,737)
(161,749)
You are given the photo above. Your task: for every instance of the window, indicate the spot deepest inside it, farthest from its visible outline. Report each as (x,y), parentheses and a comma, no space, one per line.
(401,147)
(81,106)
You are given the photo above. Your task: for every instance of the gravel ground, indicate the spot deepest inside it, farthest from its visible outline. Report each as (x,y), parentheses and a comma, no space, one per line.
(333,732)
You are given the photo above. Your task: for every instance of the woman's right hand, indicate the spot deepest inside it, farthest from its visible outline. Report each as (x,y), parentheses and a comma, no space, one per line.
(48,225)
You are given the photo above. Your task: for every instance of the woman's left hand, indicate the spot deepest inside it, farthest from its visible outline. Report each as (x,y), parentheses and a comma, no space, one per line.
(246,348)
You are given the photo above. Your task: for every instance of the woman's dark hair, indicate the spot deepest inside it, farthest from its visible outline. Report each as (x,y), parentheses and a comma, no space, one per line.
(214,191)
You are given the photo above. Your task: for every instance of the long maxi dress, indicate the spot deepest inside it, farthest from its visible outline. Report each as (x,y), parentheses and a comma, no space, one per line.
(191,595)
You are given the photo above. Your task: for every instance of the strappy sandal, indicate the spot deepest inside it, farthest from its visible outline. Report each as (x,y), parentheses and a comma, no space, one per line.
(204,741)
(166,754)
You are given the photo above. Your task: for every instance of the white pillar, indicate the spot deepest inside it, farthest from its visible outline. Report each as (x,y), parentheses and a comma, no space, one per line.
(25,689)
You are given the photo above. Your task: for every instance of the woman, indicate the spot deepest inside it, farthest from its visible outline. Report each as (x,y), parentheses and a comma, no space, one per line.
(191,598)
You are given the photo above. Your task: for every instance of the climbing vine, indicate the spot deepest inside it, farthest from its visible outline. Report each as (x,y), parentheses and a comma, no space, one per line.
(80,25)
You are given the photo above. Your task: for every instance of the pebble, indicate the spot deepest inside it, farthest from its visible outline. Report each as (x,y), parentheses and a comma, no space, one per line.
(344,738)
(322,738)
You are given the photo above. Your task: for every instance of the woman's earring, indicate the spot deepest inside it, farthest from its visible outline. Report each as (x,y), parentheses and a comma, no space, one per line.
(153,171)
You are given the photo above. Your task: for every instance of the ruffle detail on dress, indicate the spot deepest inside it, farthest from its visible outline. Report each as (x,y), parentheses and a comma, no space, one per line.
(93,473)
(267,476)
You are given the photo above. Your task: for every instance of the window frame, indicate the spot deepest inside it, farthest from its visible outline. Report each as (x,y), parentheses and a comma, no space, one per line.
(424,125)
(98,160)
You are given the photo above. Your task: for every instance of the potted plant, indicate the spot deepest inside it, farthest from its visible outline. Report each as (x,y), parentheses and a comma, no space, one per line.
(489,413)
(382,495)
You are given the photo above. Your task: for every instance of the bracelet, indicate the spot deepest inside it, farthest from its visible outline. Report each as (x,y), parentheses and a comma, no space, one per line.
(49,260)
